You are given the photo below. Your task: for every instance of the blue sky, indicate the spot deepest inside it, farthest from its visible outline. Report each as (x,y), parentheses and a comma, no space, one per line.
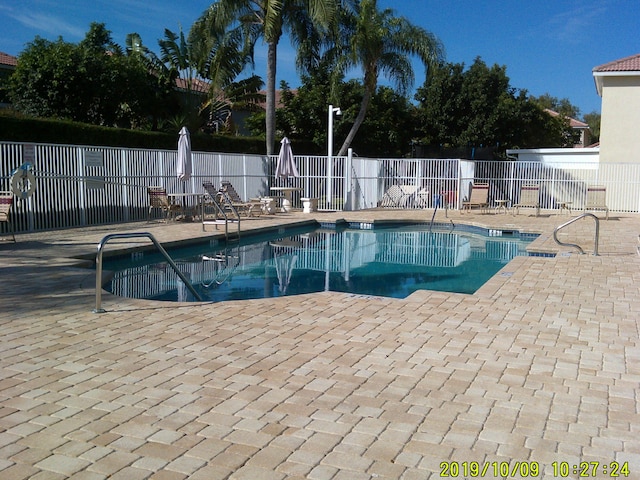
(547,47)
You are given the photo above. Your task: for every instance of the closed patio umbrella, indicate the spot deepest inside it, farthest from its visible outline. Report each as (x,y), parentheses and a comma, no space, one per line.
(184,167)
(286,166)
(184,155)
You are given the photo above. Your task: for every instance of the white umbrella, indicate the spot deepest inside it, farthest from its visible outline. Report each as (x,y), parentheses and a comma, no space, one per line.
(184,155)
(285,263)
(285,258)
(184,161)
(286,166)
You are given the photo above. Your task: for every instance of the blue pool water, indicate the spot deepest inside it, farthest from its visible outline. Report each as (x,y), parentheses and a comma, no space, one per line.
(390,262)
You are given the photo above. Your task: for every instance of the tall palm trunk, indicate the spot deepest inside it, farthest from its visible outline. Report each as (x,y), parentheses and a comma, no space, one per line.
(270,121)
(366,99)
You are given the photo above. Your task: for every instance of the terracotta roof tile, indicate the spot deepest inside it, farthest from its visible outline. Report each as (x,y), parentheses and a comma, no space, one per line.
(627,64)
(573,123)
(6,59)
(197,85)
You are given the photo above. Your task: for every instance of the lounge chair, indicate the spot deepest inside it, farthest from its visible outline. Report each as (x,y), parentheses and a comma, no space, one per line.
(6,200)
(422,198)
(479,197)
(230,195)
(398,196)
(597,199)
(529,198)
(159,199)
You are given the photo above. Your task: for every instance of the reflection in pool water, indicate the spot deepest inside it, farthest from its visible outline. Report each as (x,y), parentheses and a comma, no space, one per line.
(385,262)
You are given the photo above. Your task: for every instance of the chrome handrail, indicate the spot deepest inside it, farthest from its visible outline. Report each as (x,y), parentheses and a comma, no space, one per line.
(597,235)
(106,239)
(223,213)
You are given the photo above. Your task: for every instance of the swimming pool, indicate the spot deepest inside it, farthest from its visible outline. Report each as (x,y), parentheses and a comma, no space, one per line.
(391,262)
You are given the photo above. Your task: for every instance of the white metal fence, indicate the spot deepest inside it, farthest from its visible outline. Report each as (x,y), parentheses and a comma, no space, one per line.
(81,186)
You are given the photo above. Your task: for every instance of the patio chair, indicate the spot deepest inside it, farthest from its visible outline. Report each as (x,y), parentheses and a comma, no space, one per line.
(6,201)
(230,195)
(529,198)
(479,197)
(597,199)
(422,198)
(399,196)
(159,199)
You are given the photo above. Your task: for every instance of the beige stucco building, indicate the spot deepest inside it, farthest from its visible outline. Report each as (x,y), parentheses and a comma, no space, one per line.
(618,83)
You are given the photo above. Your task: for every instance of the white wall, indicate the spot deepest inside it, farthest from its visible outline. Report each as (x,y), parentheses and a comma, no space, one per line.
(619,130)
(560,157)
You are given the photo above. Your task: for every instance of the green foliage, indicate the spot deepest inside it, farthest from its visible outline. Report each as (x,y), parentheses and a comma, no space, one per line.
(566,111)
(387,130)
(90,82)
(478,108)
(243,96)
(593,120)
(389,126)
(379,43)
(562,106)
(20,128)
(269,20)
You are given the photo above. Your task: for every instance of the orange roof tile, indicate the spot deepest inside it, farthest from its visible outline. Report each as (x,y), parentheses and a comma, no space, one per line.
(197,85)
(627,64)
(573,123)
(6,59)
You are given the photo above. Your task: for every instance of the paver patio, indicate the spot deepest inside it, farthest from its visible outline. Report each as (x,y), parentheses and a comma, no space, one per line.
(541,365)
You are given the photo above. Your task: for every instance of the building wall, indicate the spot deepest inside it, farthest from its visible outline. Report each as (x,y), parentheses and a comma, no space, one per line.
(568,157)
(619,138)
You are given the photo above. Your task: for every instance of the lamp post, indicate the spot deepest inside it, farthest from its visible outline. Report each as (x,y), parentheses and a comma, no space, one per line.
(337,111)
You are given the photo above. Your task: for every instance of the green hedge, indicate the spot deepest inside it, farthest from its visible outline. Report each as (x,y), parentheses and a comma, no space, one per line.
(24,129)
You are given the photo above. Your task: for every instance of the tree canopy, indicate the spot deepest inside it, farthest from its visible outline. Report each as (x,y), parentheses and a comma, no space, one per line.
(380,43)
(386,131)
(478,107)
(96,81)
(91,82)
(269,19)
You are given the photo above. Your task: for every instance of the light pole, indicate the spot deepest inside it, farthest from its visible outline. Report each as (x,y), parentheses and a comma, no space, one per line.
(337,111)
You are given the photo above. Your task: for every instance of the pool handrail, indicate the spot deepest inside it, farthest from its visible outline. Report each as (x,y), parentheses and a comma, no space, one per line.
(164,253)
(208,186)
(596,239)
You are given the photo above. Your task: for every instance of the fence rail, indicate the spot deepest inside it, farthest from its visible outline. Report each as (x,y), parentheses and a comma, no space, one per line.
(84,185)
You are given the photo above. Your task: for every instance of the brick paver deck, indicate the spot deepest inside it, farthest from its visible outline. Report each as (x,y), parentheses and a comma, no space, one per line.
(541,365)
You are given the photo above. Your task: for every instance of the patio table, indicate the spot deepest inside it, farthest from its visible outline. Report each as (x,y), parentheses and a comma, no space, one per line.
(287,196)
(189,202)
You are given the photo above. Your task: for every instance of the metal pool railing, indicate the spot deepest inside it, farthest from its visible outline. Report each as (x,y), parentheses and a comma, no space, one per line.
(597,235)
(164,253)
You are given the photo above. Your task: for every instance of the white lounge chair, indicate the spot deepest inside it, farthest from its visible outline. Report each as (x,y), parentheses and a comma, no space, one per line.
(399,196)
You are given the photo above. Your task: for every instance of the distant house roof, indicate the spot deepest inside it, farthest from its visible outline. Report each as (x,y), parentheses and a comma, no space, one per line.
(197,85)
(628,66)
(279,102)
(573,123)
(8,60)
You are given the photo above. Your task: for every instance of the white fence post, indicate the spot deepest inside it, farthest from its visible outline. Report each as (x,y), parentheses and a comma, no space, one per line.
(349,195)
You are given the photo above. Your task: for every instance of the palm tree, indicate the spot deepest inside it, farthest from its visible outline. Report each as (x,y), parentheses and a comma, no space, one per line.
(381,44)
(271,18)
(221,55)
